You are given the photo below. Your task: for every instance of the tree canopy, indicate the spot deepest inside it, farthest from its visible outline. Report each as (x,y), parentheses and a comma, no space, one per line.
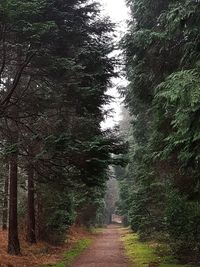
(162,51)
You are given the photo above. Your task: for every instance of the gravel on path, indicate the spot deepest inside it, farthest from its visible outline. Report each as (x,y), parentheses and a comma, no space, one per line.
(106,251)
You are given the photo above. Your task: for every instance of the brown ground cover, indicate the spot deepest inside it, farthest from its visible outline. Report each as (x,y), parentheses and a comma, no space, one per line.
(38,254)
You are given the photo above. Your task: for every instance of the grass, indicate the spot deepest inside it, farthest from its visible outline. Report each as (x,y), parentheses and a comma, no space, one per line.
(143,254)
(72,253)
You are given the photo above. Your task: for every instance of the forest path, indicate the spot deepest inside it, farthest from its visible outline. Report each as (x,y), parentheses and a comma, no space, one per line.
(106,251)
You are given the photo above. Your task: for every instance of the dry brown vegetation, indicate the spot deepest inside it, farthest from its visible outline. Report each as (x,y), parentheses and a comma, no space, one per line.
(39,254)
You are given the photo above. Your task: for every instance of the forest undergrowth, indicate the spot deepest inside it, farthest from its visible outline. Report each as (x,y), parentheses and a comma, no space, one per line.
(149,253)
(43,254)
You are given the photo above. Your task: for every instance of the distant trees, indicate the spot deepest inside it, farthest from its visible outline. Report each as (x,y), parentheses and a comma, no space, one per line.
(111,198)
(55,69)
(162,64)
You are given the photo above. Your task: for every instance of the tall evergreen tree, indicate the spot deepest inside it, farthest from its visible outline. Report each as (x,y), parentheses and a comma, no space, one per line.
(52,100)
(161,56)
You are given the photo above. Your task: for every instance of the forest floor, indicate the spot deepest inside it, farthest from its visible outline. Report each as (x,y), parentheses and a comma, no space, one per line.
(113,246)
(42,253)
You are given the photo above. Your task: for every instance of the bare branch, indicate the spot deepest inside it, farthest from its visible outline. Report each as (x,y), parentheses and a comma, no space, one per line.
(17,79)
(3,51)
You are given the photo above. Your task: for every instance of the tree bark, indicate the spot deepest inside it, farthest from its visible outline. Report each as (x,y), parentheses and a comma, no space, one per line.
(40,217)
(5,200)
(13,240)
(31,236)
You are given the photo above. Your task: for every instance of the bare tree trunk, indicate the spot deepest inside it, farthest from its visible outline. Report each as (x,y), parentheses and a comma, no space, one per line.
(5,200)
(40,217)
(13,240)
(31,236)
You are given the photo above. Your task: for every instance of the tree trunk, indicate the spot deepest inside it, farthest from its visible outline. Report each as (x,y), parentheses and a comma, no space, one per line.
(13,240)
(40,217)
(5,200)
(31,236)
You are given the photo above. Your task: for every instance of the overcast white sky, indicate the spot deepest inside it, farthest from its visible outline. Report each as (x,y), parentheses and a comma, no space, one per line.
(116,9)
(118,12)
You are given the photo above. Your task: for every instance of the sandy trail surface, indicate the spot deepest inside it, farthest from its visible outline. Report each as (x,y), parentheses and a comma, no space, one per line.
(106,251)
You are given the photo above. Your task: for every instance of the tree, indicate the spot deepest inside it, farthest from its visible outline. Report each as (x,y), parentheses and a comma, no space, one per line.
(13,239)
(162,64)
(5,196)
(52,99)
(31,233)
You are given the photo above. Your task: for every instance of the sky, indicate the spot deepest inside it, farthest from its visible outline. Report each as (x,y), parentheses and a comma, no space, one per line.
(118,12)
(116,9)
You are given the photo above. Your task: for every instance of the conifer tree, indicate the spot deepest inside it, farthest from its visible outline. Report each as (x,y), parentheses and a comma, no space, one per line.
(52,98)
(162,64)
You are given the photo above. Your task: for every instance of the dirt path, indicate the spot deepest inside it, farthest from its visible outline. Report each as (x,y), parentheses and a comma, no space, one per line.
(106,251)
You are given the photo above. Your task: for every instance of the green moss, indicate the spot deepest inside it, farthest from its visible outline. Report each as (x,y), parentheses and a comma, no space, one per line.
(142,254)
(139,253)
(77,249)
(72,253)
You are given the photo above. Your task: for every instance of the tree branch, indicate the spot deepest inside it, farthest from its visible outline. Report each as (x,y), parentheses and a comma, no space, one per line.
(3,51)
(17,79)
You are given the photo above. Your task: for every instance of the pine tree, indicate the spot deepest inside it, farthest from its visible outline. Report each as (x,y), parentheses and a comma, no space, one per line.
(52,96)
(162,64)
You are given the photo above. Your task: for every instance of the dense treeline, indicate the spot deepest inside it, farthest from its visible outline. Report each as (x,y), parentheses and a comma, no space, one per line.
(162,58)
(55,68)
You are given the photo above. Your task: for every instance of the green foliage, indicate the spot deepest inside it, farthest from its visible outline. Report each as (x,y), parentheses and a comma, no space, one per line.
(183,218)
(161,52)
(178,101)
(144,253)
(58,211)
(56,85)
